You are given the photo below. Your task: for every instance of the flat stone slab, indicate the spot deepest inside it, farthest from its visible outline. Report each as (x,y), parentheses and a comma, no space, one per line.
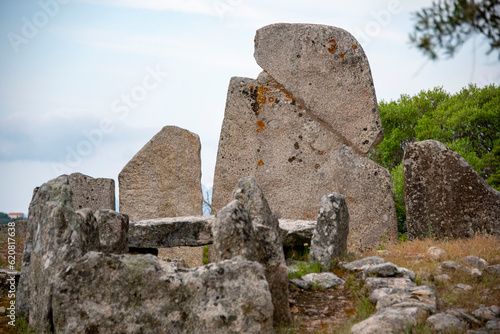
(171,232)
(298,232)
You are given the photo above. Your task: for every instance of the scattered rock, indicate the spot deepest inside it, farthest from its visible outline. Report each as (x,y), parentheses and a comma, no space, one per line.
(381,270)
(323,280)
(486,313)
(475,262)
(442,278)
(445,322)
(373,283)
(493,270)
(329,240)
(435,253)
(445,196)
(92,193)
(388,320)
(474,273)
(422,297)
(463,287)
(230,296)
(316,63)
(464,316)
(362,263)
(113,231)
(493,325)
(305,285)
(449,266)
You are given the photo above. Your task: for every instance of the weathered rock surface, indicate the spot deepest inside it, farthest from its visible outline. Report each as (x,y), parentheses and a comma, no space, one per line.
(55,238)
(298,232)
(474,261)
(113,231)
(171,232)
(388,320)
(138,293)
(93,193)
(329,240)
(299,282)
(164,180)
(323,280)
(373,283)
(362,263)
(326,69)
(281,139)
(422,297)
(247,227)
(445,196)
(435,253)
(493,270)
(444,322)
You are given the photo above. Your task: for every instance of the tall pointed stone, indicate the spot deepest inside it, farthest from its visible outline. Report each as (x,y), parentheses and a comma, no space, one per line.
(164,180)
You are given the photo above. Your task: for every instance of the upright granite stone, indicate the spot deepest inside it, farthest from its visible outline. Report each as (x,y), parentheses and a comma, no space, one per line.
(113,231)
(105,293)
(55,239)
(93,193)
(329,239)
(444,195)
(326,69)
(247,227)
(164,180)
(297,160)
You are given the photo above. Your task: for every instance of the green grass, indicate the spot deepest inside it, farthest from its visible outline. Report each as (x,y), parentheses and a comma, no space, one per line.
(305,268)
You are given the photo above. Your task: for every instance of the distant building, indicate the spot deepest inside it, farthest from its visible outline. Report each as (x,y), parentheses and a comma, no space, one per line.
(16,215)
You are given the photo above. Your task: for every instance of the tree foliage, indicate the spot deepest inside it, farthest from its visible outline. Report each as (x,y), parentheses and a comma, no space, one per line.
(467,122)
(448,24)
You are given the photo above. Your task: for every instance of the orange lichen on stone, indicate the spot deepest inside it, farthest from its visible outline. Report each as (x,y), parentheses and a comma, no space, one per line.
(260,162)
(271,99)
(332,45)
(251,86)
(261,126)
(354,47)
(342,55)
(261,98)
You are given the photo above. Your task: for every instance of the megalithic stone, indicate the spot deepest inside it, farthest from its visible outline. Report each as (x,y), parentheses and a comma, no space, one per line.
(296,160)
(326,69)
(444,195)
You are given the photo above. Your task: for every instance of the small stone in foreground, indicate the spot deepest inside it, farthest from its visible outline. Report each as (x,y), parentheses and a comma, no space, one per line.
(323,280)
(444,322)
(435,253)
(388,320)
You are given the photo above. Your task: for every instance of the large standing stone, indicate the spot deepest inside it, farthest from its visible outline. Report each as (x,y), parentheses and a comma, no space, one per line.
(297,160)
(444,195)
(247,227)
(93,193)
(329,239)
(55,238)
(138,294)
(326,69)
(164,180)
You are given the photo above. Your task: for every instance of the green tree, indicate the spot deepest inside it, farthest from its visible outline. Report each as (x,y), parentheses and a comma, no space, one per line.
(448,24)
(467,122)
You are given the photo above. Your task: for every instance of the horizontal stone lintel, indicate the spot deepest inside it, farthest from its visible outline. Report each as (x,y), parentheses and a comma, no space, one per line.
(196,231)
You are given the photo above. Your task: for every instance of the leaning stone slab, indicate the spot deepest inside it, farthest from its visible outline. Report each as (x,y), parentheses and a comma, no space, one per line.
(138,293)
(445,196)
(388,320)
(267,134)
(171,232)
(422,297)
(362,263)
(93,193)
(329,239)
(326,69)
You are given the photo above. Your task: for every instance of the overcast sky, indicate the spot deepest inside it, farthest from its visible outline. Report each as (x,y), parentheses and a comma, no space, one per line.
(84,84)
